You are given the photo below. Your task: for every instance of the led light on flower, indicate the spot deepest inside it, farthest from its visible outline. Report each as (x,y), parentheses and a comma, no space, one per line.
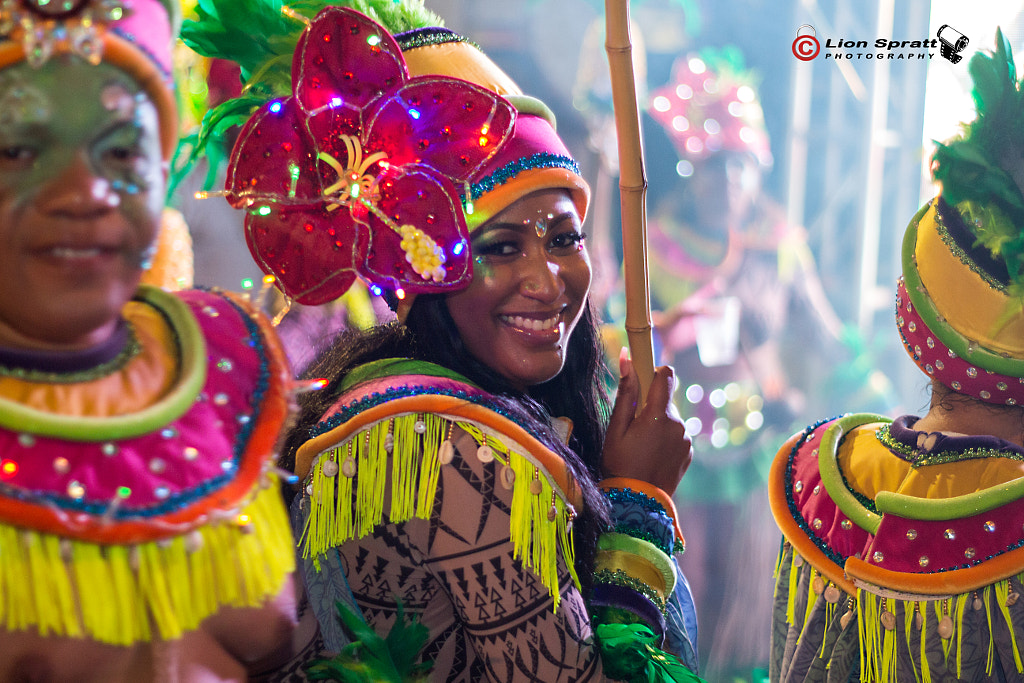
(358,150)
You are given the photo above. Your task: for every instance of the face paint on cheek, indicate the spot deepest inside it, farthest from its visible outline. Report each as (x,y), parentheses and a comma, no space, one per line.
(482,270)
(21,103)
(116,98)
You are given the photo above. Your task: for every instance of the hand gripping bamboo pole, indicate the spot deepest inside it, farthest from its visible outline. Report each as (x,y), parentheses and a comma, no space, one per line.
(633,190)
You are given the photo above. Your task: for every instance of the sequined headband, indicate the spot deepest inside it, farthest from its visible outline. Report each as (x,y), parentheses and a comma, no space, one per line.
(133,35)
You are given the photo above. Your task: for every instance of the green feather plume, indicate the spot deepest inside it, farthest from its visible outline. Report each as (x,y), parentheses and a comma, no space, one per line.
(629,652)
(260,36)
(982,170)
(372,659)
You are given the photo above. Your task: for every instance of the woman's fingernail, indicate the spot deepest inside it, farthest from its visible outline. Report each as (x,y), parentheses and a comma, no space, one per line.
(624,363)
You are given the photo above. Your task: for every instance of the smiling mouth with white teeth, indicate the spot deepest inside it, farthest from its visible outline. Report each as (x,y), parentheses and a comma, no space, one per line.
(73,253)
(531,324)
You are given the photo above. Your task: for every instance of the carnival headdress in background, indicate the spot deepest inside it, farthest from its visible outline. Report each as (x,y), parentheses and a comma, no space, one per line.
(362,160)
(711,105)
(960,303)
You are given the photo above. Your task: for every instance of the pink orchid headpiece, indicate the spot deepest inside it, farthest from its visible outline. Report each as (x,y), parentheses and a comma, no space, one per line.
(360,170)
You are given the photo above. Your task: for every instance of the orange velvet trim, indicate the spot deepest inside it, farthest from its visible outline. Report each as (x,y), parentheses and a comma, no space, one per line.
(460,60)
(124,55)
(261,447)
(969,304)
(447,407)
(649,490)
(142,382)
(526,182)
(955,582)
(801,543)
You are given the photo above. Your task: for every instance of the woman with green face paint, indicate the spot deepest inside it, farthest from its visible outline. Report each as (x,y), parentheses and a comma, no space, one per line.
(142,534)
(459,464)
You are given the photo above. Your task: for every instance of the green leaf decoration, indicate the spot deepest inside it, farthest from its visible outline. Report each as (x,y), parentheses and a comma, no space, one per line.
(260,36)
(372,659)
(629,653)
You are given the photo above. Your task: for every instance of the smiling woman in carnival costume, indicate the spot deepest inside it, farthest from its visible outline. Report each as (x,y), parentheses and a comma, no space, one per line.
(142,533)
(903,557)
(450,465)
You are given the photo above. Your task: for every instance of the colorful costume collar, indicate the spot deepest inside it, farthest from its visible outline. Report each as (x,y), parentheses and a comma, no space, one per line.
(404,423)
(151,474)
(128,517)
(898,539)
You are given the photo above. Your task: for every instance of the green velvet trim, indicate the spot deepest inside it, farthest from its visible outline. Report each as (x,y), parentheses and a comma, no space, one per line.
(956,507)
(832,477)
(526,104)
(960,345)
(644,549)
(192,377)
(387,367)
(647,536)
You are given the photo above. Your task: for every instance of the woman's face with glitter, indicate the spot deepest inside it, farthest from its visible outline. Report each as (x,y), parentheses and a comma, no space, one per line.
(81,193)
(531,276)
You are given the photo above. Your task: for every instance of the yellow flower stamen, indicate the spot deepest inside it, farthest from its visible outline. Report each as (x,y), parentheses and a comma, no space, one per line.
(354,183)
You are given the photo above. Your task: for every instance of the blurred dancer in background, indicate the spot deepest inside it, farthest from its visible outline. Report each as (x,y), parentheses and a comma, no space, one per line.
(740,312)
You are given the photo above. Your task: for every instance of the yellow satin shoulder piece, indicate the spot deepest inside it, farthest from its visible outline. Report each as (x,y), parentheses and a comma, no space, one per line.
(870,468)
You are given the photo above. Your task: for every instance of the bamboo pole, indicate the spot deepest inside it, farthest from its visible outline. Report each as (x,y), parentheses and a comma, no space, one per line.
(633,190)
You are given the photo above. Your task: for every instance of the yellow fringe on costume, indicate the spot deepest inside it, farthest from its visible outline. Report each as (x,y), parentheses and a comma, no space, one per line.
(540,519)
(125,594)
(879,645)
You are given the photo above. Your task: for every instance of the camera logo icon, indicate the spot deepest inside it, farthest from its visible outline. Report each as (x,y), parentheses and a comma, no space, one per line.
(951,43)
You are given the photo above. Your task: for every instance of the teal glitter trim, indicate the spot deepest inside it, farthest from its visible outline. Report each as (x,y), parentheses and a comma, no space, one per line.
(923,459)
(964,257)
(628,495)
(621,578)
(425,37)
(512,169)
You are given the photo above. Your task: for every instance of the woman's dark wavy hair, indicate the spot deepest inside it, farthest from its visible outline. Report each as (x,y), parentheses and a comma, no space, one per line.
(429,334)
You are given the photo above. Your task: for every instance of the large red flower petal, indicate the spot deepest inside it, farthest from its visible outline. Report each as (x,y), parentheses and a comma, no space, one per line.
(344,61)
(454,126)
(418,196)
(273,160)
(311,251)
